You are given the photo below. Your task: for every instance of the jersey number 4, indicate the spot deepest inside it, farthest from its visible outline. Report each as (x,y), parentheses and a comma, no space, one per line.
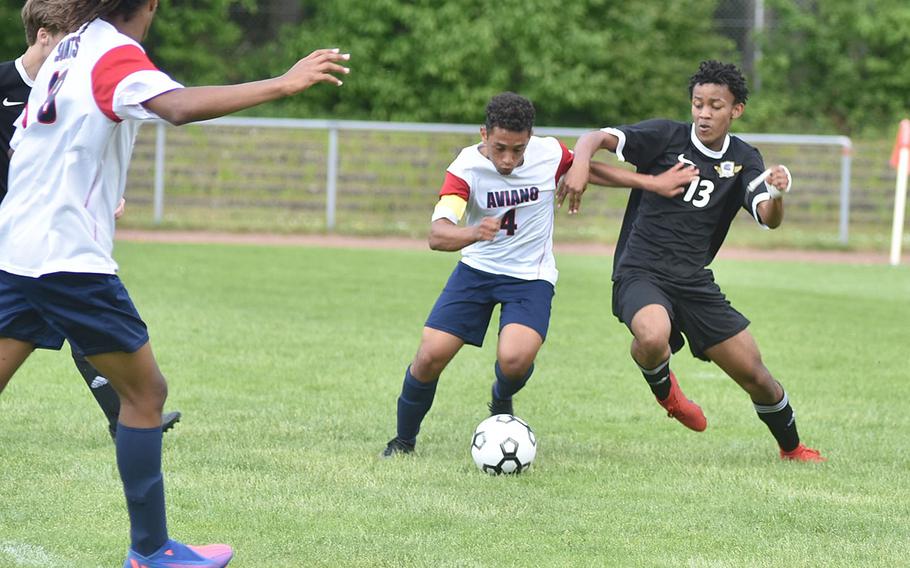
(699,192)
(47,113)
(508,222)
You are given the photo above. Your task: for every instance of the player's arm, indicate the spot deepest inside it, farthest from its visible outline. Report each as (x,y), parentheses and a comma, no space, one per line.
(771,211)
(447,235)
(181,106)
(668,184)
(575,181)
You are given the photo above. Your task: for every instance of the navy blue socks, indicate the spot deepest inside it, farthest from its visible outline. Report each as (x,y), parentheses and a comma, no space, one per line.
(413,404)
(139,462)
(504,388)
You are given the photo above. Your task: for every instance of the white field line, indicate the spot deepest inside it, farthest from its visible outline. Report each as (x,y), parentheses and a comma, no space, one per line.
(22,554)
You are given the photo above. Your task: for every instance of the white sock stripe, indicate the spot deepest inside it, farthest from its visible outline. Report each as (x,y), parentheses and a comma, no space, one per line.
(655,369)
(768,409)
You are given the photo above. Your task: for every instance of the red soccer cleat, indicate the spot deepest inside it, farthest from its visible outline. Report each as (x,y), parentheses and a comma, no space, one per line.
(802,453)
(683,409)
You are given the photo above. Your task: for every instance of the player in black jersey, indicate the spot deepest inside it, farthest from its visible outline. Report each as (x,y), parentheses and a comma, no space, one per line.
(662,288)
(46,22)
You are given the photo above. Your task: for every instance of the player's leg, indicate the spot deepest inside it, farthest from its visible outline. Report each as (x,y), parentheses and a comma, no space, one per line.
(460,315)
(645,308)
(651,350)
(98,318)
(142,390)
(13,353)
(523,324)
(107,398)
(418,390)
(22,329)
(518,347)
(740,358)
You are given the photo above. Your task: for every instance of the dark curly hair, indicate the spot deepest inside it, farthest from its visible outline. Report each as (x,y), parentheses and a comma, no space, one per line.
(510,112)
(87,10)
(717,73)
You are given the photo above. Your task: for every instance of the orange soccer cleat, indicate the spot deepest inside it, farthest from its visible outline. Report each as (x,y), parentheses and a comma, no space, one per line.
(802,453)
(681,408)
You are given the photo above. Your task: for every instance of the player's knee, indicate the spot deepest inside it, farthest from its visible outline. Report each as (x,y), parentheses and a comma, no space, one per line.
(148,396)
(652,342)
(427,366)
(514,365)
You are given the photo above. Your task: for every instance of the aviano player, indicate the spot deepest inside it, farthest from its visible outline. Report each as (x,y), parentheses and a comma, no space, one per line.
(58,279)
(662,288)
(504,188)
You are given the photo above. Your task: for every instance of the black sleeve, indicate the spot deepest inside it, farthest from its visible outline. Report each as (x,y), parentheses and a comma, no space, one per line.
(640,144)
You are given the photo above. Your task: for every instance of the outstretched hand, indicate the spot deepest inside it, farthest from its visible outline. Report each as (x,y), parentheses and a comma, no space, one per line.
(673,181)
(573,186)
(321,66)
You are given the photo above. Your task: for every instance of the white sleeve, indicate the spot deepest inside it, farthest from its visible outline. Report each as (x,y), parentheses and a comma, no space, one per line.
(138,88)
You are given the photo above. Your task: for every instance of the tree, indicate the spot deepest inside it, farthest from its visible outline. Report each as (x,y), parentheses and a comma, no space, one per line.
(12,36)
(586,62)
(198,42)
(841,65)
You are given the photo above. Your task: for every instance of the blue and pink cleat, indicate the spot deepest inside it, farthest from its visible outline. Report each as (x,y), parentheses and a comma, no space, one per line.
(178,555)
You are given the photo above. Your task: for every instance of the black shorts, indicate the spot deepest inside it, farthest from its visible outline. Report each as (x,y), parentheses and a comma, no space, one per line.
(697,308)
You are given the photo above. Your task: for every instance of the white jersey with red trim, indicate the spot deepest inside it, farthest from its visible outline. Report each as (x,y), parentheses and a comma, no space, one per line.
(72,150)
(524,200)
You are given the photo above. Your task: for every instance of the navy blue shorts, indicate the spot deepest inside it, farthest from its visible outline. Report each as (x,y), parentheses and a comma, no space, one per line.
(466,304)
(91,311)
(696,308)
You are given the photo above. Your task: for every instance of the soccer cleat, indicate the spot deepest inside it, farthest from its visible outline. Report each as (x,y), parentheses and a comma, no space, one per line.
(802,453)
(395,447)
(168,421)
(178,555)
(681,408)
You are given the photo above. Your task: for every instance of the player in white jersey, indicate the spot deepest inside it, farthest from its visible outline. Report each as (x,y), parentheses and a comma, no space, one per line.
(506,187)
(57,276)
(45,23)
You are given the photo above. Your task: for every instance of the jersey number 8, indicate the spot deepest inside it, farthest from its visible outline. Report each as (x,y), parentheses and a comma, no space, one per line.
(47,114)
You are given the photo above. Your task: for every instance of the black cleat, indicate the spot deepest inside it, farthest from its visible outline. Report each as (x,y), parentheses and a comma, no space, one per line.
(396,446)
(500,406)
(168,421)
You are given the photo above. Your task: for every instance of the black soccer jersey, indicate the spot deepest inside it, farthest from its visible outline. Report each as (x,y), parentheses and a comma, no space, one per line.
(679,237)
(13,94)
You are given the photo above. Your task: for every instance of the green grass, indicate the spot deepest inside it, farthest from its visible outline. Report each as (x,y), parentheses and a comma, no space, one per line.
(287,362)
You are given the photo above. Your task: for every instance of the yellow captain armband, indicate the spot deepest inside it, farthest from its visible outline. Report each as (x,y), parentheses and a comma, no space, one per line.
(450,207)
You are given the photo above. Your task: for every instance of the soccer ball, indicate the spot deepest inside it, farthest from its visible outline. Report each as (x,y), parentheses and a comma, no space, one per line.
(503,444)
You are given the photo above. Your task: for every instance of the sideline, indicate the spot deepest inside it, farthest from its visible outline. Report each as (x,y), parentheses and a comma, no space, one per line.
(594,249)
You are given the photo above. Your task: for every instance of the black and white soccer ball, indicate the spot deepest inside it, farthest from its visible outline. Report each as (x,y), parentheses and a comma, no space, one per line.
(503,444)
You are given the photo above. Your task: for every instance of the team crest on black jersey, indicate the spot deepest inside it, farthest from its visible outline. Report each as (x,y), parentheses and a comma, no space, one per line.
(727,169)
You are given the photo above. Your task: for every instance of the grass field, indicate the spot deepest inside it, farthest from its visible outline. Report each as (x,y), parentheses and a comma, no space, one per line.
(287,362)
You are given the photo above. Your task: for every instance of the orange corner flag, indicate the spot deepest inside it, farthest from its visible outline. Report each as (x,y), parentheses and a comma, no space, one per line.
(903,141)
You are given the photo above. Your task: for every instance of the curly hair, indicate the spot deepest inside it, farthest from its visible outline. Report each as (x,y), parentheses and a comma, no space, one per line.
(83,11)
(717,73)
(52,15)
(510,112)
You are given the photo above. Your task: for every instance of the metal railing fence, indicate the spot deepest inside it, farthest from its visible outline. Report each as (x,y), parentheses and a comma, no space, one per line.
(333,152)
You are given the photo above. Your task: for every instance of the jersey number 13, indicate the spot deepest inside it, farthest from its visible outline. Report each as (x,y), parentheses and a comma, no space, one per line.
(699,192)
